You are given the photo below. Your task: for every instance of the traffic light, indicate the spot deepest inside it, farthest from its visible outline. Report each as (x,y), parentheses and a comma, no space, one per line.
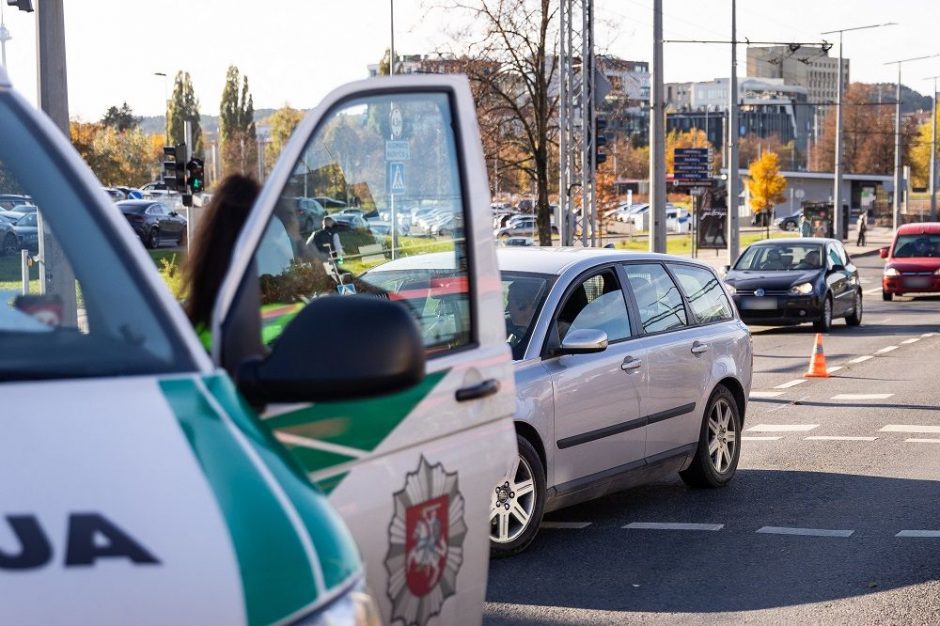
(22,5)
(174,172)
(196,175)
(600,140)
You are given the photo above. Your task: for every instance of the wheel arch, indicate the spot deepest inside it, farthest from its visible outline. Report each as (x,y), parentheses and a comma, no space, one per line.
(528,432)
(737,390)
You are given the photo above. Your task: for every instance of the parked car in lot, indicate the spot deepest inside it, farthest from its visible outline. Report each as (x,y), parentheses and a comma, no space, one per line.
(794,281)
(154,223)
(10,200)
(788,222)
(9,242)
(27,232)
(310,214)
(521,226)
(912,261)
(144,482)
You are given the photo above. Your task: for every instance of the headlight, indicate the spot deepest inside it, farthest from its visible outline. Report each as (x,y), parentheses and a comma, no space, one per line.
(802,289)
(890,271)
(356,608)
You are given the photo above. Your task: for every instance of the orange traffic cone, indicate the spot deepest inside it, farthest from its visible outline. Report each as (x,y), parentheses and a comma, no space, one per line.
(817,362)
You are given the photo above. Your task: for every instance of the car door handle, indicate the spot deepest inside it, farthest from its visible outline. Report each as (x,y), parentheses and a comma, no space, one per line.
(630,363)
(487,388)
(699,348)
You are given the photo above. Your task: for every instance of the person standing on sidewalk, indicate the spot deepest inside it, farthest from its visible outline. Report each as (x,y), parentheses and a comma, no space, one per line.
(862,227)
(806,229)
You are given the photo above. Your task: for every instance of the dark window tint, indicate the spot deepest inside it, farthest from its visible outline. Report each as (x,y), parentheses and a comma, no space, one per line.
(657,298)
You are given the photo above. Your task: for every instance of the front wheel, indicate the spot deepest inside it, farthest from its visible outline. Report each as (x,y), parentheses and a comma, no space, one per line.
(887,296)
(153,239)
(718,451)
(517,503)
(855,318)
(824,323)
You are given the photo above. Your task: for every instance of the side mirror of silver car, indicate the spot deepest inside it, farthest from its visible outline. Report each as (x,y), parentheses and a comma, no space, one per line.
(584,341)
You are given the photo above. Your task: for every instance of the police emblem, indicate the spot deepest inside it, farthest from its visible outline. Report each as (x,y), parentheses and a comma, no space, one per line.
(425,544)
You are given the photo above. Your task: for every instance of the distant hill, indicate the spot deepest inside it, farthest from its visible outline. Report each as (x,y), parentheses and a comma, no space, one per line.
(155,124)
(911,100)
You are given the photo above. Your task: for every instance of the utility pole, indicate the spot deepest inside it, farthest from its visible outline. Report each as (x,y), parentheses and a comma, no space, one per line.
(732,187)
(4,37)
(657,139)
(391,51)
(933,153)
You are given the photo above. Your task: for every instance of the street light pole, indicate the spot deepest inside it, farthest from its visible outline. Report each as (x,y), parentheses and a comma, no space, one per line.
(896,204)
(657,210)
(391,50)
(840,229)
(166,110)
(734,244)
(933,153)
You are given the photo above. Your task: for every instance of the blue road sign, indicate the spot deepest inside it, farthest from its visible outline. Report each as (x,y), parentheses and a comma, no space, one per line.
(395,177)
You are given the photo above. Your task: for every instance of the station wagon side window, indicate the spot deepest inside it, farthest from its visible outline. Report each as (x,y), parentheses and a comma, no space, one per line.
(389,158)
(703,292)
(596,303)
(657,298)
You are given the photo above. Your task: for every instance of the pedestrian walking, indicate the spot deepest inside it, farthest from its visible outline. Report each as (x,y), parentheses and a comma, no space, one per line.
(862,227)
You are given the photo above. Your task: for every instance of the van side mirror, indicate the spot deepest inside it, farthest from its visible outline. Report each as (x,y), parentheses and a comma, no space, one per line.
(338,348)
(883,252)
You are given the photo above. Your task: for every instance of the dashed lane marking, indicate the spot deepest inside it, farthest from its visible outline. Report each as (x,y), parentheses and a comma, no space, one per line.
(781,428)
(765,394)
(911,340)
(873,291)
(835,369)
(746,438)
(918,533)
(792,383)
(922,441)
(804,532)
(929,335)
(673,526)
(862,359)
(910,428)
(838,438)
(862,396)
(565,525)
(886,349)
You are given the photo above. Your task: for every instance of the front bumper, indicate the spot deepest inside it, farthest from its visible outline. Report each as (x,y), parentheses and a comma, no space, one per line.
(911,283)
(778,310)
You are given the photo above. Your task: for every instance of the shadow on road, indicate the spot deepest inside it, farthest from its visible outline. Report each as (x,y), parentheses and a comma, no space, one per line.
(606,567)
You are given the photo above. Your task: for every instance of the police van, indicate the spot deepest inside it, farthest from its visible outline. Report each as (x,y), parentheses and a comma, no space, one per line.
(330,460)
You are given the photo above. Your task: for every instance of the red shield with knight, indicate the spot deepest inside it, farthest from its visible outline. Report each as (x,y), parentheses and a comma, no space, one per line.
(425,544)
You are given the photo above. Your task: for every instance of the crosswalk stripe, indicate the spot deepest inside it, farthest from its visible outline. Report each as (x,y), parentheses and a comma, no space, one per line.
(918,533)
(781,428)
(804,532)
(909,428)
(792,383)
(911,340)
(838,438)
(922,441)
(862,359)
(765,394)
(673,526)
(746,438)
(862,396)
(887,349)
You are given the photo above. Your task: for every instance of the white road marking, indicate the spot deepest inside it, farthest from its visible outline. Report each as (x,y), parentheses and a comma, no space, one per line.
(838,438)
(566,525)
(918,533)
(872,291)
(887,349)
(792,383)
(911,340)
(922,441)
(835,369)
(862,359)
(765,394)
(781,428)
(746,438)
(907,428)
(929,335)
(862,396)
(804,532)
(673,526)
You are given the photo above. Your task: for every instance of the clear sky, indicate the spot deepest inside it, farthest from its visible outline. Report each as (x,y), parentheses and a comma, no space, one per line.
(295,51)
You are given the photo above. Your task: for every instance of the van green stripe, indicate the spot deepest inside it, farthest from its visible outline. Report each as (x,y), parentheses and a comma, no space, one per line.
(336,549)
(276,577)
(359,424)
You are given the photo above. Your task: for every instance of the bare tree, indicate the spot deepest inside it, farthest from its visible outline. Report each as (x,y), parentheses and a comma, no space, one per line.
(509,53)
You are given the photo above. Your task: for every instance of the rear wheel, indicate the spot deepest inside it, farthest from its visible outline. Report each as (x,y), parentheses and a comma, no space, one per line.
(824,323)
(182,239)
(718,451)
(790,226)
(887,296)
(517,503)
(153,239)
(855,317)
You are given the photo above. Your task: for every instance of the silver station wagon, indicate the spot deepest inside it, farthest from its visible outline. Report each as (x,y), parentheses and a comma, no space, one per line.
(628,367)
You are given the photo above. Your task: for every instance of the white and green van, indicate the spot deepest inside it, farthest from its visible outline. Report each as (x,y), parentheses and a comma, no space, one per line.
(329,462)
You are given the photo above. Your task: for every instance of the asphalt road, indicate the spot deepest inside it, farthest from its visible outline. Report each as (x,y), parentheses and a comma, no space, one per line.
(833,517)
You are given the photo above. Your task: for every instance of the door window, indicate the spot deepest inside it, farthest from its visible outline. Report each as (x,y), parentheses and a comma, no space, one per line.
(703,293)
(657,298)
(392,159)
(596,303)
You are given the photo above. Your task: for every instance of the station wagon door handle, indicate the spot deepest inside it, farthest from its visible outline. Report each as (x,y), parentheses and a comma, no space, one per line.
(630,363)
(699,348)
(480,390)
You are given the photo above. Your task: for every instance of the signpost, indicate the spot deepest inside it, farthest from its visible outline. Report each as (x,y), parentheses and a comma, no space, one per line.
(397,152)
(691,167)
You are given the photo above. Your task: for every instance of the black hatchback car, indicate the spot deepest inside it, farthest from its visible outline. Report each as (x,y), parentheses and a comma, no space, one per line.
(793,281)
(154,222)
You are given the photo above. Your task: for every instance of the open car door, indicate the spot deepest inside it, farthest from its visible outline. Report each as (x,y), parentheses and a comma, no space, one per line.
(412,471)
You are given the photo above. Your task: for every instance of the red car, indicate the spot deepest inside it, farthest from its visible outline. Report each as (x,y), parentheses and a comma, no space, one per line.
(913,261)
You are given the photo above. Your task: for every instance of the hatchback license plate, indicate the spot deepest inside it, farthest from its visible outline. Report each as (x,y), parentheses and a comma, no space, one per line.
(917,281)
(758,304)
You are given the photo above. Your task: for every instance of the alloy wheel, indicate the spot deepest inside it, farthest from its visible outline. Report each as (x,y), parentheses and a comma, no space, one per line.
(722,436)
(512,503)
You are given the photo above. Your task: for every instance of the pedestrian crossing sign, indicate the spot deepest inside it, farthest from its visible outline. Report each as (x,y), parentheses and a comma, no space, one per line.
(346,290)
(396,177)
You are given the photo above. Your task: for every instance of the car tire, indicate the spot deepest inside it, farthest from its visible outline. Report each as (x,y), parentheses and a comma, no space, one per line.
(790,226)
(10,245)
(153,238)
(719,443)
(509,532)
(887,296)
(182,239)
(855,317)
(824,323)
